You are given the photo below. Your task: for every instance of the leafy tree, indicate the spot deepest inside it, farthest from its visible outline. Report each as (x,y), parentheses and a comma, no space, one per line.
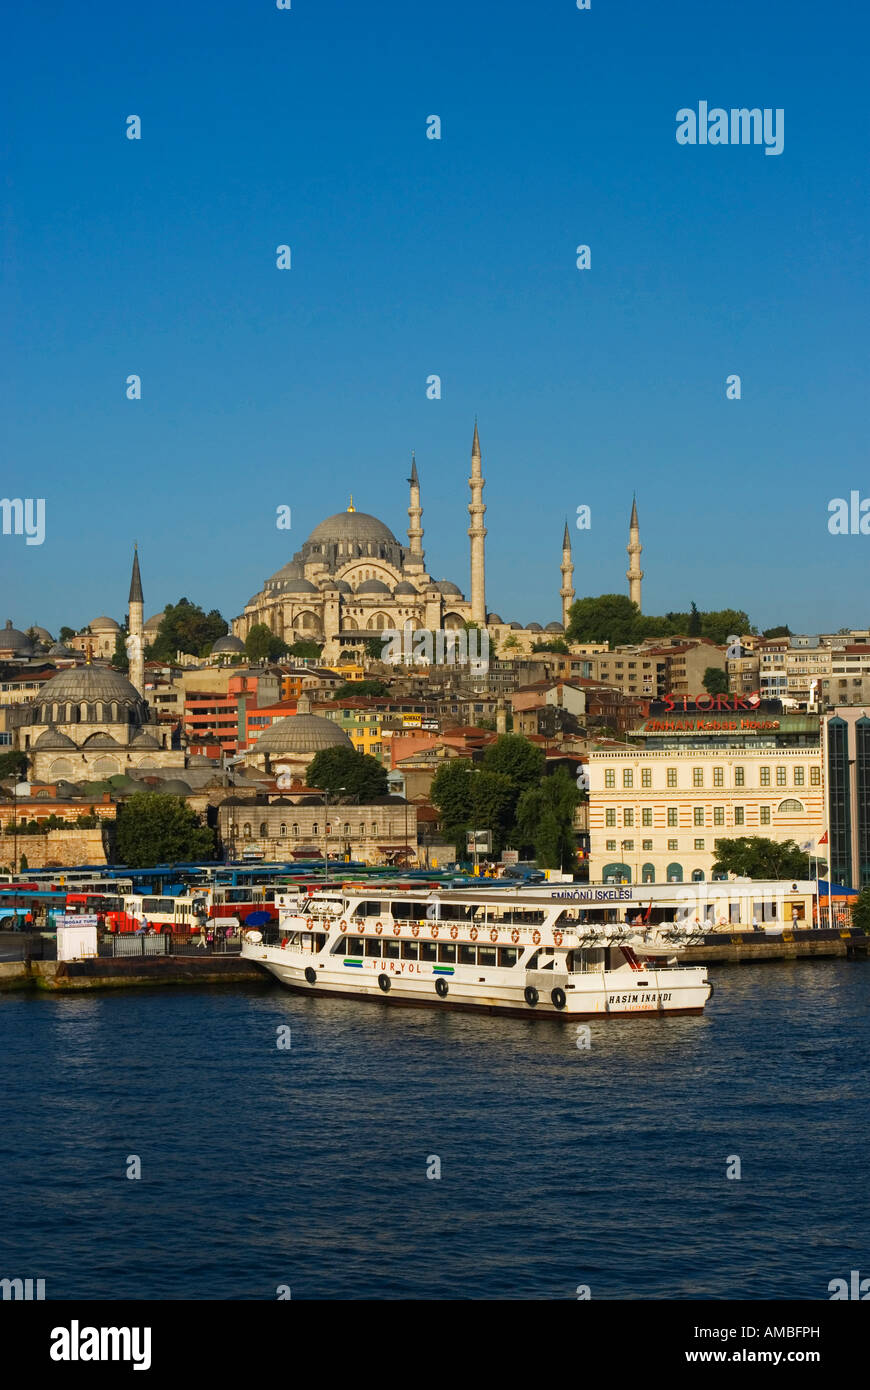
(518,759)
(157,828)
(359,774)
(756,856)
(782,631)
(305,647)
(374,648)
(13,764)
(555,644)
(723,623)
(861,910)
(65,634)
(694,627)
(609,618)
(715,682)
(120,659)
(186,628)
(351,688)
(261,644)
(451,793)
(545,820)
(346,656)
(493,803)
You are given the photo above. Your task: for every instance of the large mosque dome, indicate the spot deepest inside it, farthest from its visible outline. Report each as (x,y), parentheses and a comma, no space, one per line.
(92,687)
(351,526)
(301,735)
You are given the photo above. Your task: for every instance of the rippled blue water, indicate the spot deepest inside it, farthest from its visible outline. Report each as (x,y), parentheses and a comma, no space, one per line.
(307,1167)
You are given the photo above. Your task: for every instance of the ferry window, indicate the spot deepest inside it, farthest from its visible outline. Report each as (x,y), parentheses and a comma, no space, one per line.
(739,777)
(410,950)
(738,815)
(428,950)
(467,955)
(447,952)
(646,777)
(355,946)
(369,909)
(508,956)
(609,777)
(340,947)
(486,955)
(610,815)
(373,947)
(672,777)
(391,949)
(796,911)
(673,814)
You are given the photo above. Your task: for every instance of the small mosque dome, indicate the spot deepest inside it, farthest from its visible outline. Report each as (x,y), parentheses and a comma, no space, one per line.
(372,586)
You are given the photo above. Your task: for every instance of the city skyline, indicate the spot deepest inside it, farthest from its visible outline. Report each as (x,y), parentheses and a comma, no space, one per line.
(414,257)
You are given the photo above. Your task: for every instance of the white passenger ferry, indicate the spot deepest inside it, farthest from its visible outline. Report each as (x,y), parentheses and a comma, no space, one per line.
(500,952)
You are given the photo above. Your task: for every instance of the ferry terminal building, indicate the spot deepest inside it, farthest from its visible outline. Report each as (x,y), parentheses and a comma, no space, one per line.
(698,770)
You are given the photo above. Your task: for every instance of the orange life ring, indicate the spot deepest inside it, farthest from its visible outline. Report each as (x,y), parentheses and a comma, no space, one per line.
(415,930)
(434,931)
(379,927)
(361,928)
(536,937)
(493,936)
(557,937)
(397,930)
(515,936)
(309,922)
(454,932)
(342,926)
(473,933)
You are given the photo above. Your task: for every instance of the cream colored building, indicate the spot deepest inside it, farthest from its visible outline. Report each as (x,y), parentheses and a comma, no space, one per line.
(655,814)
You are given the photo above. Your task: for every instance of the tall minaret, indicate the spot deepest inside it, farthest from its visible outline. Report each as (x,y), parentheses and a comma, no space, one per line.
(566,593)
(415,515)
(477,535)
(135,639)
(634,573)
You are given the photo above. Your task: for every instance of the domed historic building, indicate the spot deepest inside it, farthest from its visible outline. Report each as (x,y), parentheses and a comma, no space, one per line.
(353,578)
(88,723)
(289,744)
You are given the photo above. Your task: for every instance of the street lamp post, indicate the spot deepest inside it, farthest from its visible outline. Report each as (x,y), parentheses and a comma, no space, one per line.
(326,831)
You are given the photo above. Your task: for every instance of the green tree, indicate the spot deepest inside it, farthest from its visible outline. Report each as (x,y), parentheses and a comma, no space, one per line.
(120,659)
(715,682)
(861,911)
(493,803)
(451,793)
(545,820)
(351,688)
(694,627)
(359,774)
(186,628)
(156,828)
(609,618)
(782,631)
(304,647)
(65,634)
(261,644)
(13,765)
(555,644)
(518,759)
(756,856)
(374,648)
(722,623)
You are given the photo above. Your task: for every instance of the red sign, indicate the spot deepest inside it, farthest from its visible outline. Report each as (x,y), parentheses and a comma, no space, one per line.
(710,702)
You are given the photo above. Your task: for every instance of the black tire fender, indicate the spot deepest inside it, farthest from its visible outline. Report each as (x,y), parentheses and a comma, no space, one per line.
(384,983)
(311,974)
(559,998)
(441,987)
(531,996)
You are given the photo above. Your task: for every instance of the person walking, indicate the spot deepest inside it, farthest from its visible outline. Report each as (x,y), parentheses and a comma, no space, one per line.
(202,938)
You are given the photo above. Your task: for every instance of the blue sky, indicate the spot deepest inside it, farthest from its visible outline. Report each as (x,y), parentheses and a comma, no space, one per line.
(456,257)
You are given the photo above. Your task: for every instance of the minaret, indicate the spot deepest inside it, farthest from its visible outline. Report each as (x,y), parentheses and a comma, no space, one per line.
(477,535)
(135,621)
(634,573)
(566,593)
(415,559)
